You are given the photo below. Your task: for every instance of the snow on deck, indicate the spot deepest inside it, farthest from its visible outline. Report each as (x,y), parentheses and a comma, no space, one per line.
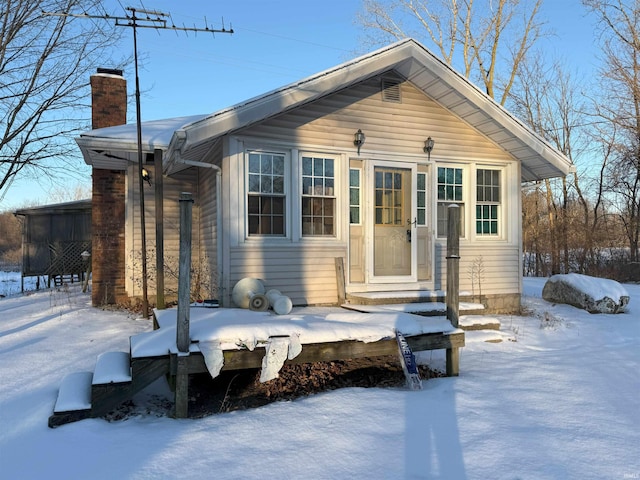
(236,328)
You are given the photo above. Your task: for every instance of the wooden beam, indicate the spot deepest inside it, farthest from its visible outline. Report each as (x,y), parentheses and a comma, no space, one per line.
(326,352)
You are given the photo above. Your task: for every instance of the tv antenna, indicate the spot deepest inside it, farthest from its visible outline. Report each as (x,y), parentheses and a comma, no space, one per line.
(140,18)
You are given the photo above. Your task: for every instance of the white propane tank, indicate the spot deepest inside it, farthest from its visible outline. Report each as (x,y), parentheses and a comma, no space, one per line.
(249,293)
(281,304)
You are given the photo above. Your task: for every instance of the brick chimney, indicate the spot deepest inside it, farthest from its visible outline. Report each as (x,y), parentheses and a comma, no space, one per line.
(108,109)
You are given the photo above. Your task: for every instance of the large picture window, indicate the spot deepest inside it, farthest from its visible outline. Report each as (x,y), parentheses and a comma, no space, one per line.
(450,191)
(266,194)
(488,195)
(318,196)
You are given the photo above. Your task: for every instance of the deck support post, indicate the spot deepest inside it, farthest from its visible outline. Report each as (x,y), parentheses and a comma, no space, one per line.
(453,283)
(183,339)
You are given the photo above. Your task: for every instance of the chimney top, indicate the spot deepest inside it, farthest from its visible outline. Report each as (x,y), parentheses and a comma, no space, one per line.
(111,71)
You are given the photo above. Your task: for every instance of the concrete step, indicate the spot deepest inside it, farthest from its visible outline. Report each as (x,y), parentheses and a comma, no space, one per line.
(426,309)
(478,322)
(488,336)
(394,297)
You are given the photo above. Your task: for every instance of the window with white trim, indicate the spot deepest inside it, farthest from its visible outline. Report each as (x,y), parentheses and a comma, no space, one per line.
(266,195)
(450,191)
(355,191)
(318,196)
(488,201)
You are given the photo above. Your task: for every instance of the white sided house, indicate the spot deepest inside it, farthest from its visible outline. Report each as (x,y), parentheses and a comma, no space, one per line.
(334,166)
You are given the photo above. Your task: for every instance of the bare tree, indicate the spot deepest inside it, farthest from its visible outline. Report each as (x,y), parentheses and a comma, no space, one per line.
(485,39)
(549,100)
(619,108)
(45,63)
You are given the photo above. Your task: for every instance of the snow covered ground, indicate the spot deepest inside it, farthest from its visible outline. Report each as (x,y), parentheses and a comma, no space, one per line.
(559,398)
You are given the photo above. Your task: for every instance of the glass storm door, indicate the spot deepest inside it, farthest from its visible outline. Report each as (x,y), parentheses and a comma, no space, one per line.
(392,228)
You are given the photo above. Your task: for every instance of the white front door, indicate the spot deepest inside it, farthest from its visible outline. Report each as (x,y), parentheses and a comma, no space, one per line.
(391,217)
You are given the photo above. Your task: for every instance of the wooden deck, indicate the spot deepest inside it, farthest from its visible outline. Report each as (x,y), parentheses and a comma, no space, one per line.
(104,393)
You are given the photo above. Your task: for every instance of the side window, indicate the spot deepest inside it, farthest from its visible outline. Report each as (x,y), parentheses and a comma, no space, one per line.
(450,191)
(266,196)
(488,201)
(355,198)
(318,196)
(422,199)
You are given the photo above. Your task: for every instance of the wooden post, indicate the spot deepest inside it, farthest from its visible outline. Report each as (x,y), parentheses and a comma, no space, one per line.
(453,283)
(157,159)
(184,300)
(184,274)
(342,296)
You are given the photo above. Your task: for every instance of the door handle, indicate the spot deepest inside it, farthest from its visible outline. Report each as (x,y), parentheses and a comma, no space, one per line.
(409,235)
(414,223)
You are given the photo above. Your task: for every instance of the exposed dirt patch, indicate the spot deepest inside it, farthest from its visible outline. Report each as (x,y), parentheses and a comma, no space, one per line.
(241,390)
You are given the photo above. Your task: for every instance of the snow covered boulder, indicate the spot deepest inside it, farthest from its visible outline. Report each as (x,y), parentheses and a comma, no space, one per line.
(595,295)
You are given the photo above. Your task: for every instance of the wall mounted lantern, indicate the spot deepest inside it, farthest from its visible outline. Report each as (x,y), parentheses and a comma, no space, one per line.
(428,146)
(146,176)
(358,140)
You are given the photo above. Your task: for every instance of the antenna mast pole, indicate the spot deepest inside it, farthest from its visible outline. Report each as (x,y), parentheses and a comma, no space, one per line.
(158,21)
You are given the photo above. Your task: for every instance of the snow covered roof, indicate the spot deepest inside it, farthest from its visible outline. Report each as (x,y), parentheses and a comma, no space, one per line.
(188,137)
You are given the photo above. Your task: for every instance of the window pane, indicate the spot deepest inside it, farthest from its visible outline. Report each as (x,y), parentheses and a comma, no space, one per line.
(278,165)
(318,166)
(422,181)
(397,181)
(254,183)
(306,166)
(328,167)
(278,184)
(266,164)
(388,180)
(354,178)
(378,180)
(266,184)
(354,215)
(354,196)
(254,163)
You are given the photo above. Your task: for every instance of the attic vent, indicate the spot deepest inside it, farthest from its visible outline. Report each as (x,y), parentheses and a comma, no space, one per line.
(391,90)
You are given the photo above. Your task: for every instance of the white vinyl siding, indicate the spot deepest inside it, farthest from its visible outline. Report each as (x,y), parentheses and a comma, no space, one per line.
(389,127)
(184,181)
(305,273)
